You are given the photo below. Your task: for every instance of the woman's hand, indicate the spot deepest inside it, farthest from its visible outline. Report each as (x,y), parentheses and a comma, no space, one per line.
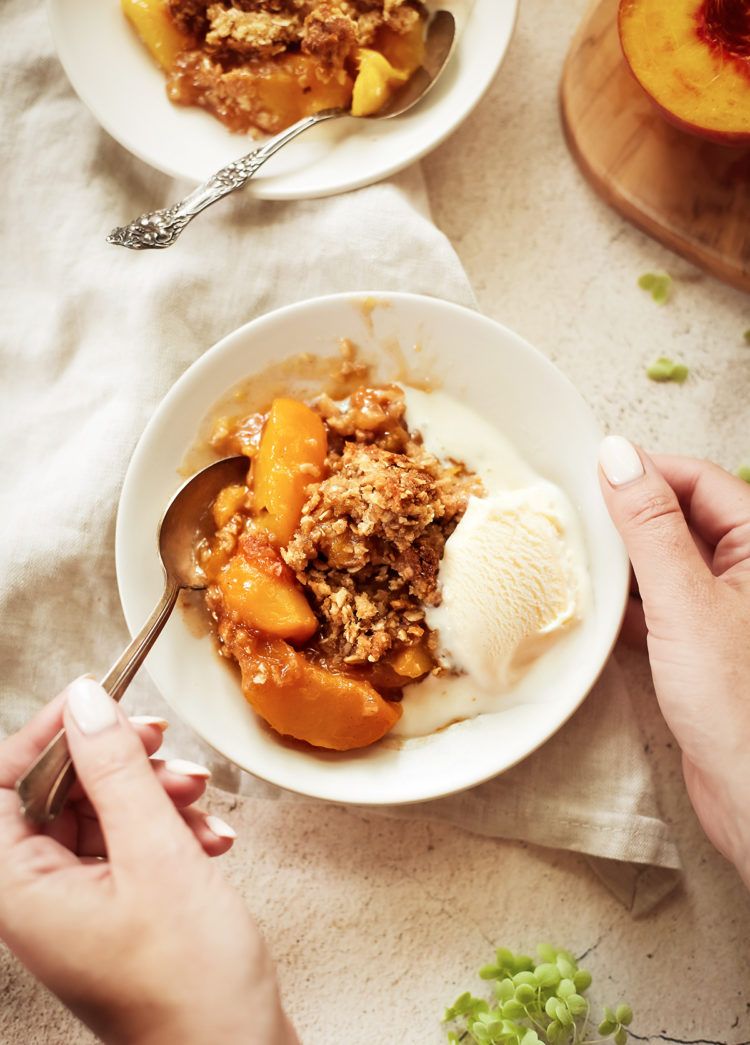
(686,526)
(116,907)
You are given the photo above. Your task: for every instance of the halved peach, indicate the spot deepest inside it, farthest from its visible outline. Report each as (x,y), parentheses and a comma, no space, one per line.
(692,57)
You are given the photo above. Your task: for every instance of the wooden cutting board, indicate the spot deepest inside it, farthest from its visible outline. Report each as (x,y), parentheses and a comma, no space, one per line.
(691,195)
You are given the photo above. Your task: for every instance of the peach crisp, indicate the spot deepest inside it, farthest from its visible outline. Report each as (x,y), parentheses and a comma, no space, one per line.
(324,561)
(260,65)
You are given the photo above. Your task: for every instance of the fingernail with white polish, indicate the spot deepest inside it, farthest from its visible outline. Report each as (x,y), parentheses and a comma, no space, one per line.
(182,767)
(92,708)
(149,720)
(220,828)
(619,460)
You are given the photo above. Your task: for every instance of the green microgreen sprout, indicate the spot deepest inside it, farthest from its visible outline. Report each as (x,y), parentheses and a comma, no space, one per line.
(538,1001)
(665,369)
(658,284)
(616,1023)
(744,472)
(746,336)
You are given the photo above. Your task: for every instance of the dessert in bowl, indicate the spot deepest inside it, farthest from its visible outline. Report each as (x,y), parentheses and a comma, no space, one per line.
(123,85)
(261,68)
(496,437)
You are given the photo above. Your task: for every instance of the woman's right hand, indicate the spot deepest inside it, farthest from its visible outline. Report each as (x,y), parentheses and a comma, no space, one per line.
(686,526)
(118,908)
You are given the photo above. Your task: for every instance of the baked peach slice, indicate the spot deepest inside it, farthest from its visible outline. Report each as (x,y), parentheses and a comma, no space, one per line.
(260,591)
(692,57)
(412,662)
(288,88)
(375,82)
(301,699)
(151,21)
(382,68)
(291,456)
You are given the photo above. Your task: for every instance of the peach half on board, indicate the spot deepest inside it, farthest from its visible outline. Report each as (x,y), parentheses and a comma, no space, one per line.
(692,57)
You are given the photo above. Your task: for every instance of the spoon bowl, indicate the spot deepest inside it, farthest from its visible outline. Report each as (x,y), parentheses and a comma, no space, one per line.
(45,785)
(188,516)
(161,228)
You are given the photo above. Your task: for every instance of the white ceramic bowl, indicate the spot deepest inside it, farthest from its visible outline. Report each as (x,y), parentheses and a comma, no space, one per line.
(484,365)
(125,90)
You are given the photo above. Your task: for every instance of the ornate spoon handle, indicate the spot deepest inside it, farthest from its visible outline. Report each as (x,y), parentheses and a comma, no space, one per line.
(160,228)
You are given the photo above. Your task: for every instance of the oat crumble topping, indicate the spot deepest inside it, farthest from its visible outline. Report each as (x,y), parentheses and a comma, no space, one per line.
(225,67)
(372,533)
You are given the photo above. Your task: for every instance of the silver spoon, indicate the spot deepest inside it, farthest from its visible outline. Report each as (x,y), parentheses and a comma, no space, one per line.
(44,786)
(160,228)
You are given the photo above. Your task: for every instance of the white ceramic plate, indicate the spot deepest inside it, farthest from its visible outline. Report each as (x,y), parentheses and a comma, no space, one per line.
(484,365)
(124,89)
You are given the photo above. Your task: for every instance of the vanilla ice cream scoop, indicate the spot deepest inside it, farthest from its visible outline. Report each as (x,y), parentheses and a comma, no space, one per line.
(513,577)
(510,582)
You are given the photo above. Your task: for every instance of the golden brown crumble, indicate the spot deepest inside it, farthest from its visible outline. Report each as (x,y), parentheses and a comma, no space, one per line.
(370,538)
(246,33)
(373,532)
(245,60)
(260,26)
(329,35)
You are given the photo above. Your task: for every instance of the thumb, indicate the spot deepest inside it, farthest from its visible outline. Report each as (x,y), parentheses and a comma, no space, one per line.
(135,813)
(667,563)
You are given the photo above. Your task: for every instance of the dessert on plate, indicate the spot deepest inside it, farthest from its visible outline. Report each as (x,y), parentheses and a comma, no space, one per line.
(390,564)
(258,66)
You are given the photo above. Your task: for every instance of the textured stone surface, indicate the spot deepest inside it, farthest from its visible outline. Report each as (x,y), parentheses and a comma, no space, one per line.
(376,925)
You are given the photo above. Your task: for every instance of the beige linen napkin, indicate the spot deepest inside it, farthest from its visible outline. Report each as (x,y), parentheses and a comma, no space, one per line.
(588,789)
(93,337)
